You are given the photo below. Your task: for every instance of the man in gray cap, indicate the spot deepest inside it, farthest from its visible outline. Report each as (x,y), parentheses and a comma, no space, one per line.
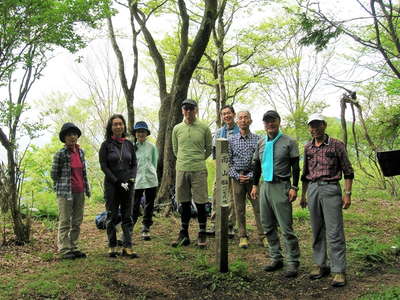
(325,159)
(191,143)
(277,159)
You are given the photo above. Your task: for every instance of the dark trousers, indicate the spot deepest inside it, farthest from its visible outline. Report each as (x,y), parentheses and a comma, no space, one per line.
(117,199)
(148,206)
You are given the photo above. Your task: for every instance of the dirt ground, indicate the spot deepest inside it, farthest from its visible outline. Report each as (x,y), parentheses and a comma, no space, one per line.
(34,271)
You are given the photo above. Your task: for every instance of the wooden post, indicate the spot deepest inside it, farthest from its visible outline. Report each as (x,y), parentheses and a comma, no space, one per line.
(222,205)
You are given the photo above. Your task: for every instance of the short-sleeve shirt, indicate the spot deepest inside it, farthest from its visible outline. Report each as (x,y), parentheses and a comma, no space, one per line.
(285,148)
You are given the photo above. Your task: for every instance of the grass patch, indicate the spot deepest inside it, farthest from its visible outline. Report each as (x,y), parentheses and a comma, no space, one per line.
(368,250)
(390,293)
(301,215)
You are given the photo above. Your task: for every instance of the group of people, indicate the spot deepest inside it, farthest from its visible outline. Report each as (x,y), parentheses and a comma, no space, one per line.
(265,170)
(130,172)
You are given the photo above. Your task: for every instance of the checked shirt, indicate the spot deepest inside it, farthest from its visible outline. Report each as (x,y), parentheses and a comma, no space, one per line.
(61,173)
(241,150)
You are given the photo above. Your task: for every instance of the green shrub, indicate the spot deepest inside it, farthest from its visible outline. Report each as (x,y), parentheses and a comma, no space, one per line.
(43,205)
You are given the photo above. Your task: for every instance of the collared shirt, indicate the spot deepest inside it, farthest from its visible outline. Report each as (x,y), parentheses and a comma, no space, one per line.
(223,132)
(326,162)
(146,176)
(61,173)
(241,150)
(285,149)
(191,144)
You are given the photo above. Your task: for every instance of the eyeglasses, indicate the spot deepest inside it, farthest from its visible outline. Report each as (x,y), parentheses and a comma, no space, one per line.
(188,107)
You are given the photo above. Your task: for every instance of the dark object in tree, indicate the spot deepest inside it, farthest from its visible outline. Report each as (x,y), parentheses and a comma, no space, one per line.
(389,161)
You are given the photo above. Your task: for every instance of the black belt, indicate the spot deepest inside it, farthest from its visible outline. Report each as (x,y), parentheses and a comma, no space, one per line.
(325,182)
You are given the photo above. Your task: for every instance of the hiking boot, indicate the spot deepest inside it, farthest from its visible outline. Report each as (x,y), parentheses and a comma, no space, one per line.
(68,255)
(243,243)
(264,242)
(79,254)
(146,236)
(128,252)
(182,240)
(202,240)
(339,280)
(211,231)
(275,265)
(113,252)
(291,271)
(231,232)
(318,272)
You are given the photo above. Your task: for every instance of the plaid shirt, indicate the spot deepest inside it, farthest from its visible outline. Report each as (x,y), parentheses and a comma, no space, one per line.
(326,162)
(61,173)
(241,150)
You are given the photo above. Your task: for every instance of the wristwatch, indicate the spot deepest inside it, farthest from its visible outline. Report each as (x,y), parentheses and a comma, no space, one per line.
(348,193)
(296,188)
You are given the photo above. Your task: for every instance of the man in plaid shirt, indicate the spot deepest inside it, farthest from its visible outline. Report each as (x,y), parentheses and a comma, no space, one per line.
(241,150)
(325,159)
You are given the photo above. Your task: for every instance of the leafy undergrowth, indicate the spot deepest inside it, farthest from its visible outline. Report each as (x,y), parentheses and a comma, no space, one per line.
(34,271)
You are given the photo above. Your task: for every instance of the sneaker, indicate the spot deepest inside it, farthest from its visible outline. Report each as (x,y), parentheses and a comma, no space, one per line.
(182,240)
(318,272)
(275,265)
(79,254)
(128,252)
(339,280)
(291,271)
(243,243)
(202,240)
(113,252)
(146,236)
(231,232)
(68,255)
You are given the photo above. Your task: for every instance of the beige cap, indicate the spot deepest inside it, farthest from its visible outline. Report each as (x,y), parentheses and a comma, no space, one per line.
(315,117)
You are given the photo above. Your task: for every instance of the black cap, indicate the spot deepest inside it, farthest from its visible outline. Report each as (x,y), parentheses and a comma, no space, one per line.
(189,102)
(271,115)
(68,127)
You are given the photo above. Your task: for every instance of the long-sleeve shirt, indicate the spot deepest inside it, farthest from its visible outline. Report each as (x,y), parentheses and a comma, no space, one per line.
(191,144)
(326,162)
(241,150)
(146,176)
(117,160)
(61,173)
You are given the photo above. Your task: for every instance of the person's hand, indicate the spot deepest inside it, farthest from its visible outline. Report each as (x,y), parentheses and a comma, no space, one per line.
(292,195)
(346,200)
(253,193)
(303,202)
(125,186)
(244,179)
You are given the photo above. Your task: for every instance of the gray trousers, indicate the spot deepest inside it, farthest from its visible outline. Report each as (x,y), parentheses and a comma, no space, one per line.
(325,205)
(70,219)
(276,210)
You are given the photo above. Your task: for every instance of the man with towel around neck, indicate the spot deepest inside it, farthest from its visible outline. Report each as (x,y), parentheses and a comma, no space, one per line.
(277,159)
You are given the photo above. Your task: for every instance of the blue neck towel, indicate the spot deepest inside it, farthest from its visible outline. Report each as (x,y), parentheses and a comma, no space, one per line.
(267,165)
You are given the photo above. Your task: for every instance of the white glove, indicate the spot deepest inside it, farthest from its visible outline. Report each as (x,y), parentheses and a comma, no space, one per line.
(125,186)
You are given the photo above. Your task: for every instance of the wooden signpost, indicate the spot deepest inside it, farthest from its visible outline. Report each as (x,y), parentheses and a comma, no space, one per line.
(222,205)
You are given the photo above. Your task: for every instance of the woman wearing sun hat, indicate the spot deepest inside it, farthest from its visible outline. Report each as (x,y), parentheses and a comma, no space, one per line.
(71,184)
(146,178)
